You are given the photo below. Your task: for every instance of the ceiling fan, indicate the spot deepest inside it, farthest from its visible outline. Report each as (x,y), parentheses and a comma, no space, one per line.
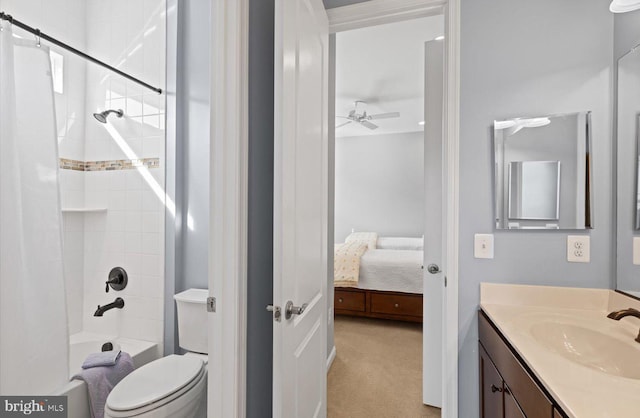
(360,116)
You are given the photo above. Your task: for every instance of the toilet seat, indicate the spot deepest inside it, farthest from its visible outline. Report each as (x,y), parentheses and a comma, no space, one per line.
(155,384)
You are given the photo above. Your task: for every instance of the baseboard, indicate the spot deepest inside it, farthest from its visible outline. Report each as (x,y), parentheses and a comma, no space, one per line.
(332,356)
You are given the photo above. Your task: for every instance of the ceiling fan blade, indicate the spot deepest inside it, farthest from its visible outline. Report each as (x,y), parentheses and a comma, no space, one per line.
(384,115)
(368,124)
(342,124)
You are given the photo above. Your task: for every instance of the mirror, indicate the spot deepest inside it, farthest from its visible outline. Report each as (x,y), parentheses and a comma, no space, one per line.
(628,186)
(542,172)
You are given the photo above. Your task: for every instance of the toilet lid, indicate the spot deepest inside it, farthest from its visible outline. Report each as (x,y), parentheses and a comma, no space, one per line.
(154,381)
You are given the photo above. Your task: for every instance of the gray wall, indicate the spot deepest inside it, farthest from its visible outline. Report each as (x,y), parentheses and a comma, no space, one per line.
(260,247)
(187,251)
(379,185)
(528,58)
(627,36)
(187,246)
(193,110)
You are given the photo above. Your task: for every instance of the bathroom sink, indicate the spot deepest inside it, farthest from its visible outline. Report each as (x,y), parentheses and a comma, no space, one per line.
(589,348)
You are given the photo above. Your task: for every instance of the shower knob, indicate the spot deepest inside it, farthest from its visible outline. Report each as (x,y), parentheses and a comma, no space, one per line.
(118,279)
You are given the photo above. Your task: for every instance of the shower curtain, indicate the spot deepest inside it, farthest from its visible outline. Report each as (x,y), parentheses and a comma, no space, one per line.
(33,319)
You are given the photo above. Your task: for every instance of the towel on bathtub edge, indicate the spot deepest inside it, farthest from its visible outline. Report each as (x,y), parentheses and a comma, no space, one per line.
(102,379)
(104,358)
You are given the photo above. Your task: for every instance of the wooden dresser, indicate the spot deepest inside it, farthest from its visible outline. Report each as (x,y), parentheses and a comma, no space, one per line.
(378,304)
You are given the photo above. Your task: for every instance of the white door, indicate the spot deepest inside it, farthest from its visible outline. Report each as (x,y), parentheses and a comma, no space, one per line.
(300,209)
(434,239)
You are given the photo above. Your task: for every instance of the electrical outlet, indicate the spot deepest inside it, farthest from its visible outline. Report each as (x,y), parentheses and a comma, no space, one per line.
(578,249)
(330,316)
(483,245)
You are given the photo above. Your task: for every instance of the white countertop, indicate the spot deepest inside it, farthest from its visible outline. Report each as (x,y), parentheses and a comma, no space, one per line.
(519,312)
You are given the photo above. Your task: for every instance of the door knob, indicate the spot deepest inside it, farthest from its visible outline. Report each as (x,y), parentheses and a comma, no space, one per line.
(433,268)
(290,310)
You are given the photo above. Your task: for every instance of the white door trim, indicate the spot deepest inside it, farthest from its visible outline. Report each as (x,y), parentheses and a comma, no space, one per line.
(452,157)
(228,214)
(376,12)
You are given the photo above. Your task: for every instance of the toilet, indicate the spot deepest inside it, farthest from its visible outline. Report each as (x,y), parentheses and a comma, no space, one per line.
(174,386)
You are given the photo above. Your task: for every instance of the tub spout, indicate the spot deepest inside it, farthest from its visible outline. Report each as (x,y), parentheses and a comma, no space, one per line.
(118,303)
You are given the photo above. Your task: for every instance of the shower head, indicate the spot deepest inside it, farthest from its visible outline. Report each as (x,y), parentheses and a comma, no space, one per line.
(102,116)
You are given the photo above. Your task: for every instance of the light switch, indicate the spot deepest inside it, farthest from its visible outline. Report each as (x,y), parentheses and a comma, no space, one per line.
(483,245)
(578,249)
(636,251)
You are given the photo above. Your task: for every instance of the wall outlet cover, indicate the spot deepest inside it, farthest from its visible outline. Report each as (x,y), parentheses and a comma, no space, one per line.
(578,248)
(483,245)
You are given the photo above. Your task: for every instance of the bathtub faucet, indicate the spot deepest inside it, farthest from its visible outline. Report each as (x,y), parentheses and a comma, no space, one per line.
(118,303)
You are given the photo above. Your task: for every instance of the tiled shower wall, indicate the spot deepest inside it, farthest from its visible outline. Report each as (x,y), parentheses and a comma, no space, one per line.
(130,234)
(118,167)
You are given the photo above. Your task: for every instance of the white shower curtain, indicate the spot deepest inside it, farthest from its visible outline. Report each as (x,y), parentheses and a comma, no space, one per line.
(33,319)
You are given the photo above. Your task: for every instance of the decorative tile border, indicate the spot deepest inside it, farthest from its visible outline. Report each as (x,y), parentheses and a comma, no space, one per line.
(112,165)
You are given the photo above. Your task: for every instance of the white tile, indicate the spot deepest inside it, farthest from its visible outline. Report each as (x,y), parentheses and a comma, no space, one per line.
(135,144)
(153,147)
(133,200)
(142,329)
(115,242)
(132,263)
(151,201)
(151,265)
(96,198)
(117,200)
(133,221)
(144,308)
(134,106)
(133,242)
(151,243)
(151,221)
(116,220)
(134,179)
(118,180)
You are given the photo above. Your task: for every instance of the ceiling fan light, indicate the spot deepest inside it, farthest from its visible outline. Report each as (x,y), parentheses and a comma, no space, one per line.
(623,6)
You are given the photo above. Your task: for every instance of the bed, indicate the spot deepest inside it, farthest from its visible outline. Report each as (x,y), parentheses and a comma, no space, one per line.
(389,284)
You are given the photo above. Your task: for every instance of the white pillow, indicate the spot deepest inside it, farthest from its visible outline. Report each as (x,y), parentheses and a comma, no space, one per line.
(400,243)
(368,238)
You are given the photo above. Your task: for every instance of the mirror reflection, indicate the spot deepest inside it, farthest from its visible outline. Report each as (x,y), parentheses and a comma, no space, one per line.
(542,172)
(628,186)
(533,190)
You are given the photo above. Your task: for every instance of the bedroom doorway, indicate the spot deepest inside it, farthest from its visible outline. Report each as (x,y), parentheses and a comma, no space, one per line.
(388,146)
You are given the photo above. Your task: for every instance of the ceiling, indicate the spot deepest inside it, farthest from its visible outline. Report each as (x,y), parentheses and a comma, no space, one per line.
(384,66)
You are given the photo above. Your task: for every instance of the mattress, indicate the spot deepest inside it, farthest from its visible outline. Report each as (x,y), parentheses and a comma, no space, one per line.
(391,270)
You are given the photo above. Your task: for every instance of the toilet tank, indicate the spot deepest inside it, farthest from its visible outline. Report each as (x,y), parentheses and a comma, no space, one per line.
(192,319)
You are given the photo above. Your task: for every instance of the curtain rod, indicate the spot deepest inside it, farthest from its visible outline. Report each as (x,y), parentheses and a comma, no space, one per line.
(41,35)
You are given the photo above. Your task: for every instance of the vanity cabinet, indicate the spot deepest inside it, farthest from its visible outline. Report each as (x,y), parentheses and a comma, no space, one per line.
(507,389)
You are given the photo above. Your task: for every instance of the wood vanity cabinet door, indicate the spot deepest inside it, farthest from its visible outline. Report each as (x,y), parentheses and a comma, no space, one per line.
(511,407)
(491,388)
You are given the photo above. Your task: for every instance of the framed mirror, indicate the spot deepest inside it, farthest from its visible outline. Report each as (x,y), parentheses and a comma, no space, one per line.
(542,172)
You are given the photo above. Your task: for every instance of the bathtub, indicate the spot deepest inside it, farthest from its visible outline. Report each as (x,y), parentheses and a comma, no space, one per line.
(83,344)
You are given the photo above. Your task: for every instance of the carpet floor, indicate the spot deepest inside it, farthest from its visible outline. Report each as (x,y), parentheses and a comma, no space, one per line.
(377,372)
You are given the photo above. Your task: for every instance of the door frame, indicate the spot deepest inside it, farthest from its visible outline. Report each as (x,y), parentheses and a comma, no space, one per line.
(229,185)
(377,12)
(228,221)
